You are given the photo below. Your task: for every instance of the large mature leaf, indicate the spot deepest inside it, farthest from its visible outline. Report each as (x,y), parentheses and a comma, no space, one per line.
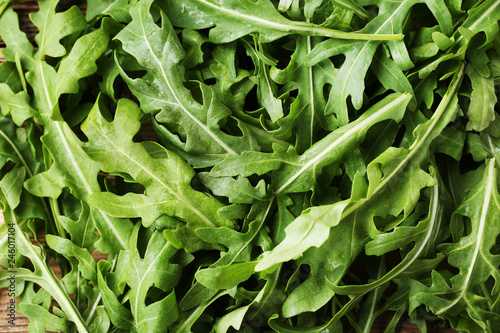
(162,89)
(167,179)
(233,19)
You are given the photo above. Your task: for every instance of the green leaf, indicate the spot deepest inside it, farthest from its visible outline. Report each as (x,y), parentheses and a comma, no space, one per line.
(451,142)
(10,184)
(87,264)
(396,168)
(483,147)
(54,26)
(479,18)
(306,118)
(391,76)
(471,255)
(298,173)
(117,9)
(225,277)
(266,88)
(238,190)
(120,316)
(167,180)
(359,54)
(311,228)
(80,62)
(235,265)
(154,269)
(41,275)
(41,320)
(17,105)
(74,169)
(252,17)
(482,101)
(17,42)
(162,89)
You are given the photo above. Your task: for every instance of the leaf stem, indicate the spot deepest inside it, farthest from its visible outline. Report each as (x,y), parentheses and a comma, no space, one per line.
(3,6)
(320,31)
(59,294)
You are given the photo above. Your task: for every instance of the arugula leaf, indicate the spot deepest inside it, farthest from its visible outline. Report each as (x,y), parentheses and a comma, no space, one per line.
(162,88)
(143,273)
(54,26)
(359,54)
(16,40)
(306,158)
(40,317)
(305,115)
(352,219)
(42,275)
(472,256)
(252,17)
(483,99)
(166,179)
(297,173)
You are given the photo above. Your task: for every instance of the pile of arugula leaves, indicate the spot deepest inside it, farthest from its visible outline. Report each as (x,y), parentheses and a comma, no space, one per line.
(319,163)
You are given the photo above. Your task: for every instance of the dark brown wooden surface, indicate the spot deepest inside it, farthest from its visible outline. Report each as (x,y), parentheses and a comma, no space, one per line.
(23,9)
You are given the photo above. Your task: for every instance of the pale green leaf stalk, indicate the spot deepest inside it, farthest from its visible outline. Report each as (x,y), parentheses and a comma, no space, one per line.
(43,275)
